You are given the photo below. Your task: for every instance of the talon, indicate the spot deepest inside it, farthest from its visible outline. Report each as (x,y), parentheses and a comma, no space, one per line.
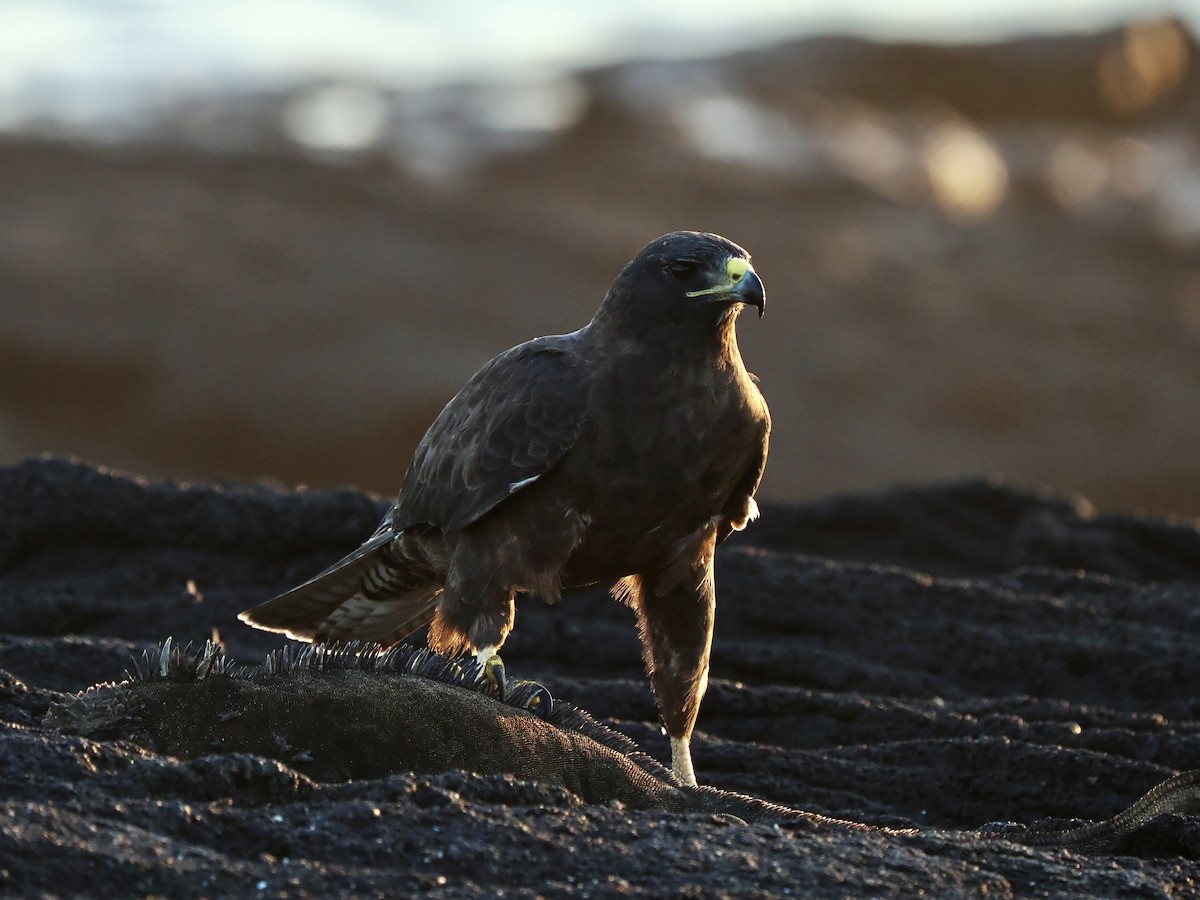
(493,671)
(540,702)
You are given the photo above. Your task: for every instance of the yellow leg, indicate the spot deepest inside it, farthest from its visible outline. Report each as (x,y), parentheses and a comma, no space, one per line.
(493,669)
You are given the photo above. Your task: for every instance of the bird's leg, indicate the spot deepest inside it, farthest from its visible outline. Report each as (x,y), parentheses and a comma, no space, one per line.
(492,667)
(474,613)
(477,612)
(676,617)
(681,760)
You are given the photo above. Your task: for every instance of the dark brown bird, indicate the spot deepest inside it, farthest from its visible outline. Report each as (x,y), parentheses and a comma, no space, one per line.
(625,450)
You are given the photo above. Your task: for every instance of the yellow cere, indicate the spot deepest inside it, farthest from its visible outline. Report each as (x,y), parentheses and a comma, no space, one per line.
(736,269)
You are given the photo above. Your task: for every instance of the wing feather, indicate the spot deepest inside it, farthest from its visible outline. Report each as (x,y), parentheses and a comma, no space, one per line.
(507,427)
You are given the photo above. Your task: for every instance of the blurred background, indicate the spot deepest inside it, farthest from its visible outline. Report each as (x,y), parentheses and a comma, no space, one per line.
(263,239)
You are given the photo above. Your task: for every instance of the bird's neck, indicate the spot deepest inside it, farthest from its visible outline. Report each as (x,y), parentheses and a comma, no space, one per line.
(694,342)
(721,342)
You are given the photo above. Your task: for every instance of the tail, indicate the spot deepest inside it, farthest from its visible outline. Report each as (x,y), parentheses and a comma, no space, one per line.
(374,594)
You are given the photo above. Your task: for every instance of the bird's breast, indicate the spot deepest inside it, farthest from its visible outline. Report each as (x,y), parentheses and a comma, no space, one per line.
(659,465)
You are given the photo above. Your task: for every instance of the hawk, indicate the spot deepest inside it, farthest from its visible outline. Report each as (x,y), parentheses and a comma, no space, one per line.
(625,452)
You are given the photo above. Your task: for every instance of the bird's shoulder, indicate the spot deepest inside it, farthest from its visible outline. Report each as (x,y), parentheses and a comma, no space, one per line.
(511,422)
(559,353)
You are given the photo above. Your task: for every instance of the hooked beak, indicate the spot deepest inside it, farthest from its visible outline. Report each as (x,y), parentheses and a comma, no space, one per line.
(750,290)
(742,285)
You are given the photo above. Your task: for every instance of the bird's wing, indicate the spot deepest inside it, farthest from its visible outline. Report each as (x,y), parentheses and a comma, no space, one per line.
(507,427)
(741,508)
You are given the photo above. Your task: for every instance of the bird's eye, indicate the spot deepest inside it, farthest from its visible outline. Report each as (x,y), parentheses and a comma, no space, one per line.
(683,270)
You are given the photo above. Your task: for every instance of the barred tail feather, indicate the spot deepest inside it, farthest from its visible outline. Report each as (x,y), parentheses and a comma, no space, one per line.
(369,595)
(385,621)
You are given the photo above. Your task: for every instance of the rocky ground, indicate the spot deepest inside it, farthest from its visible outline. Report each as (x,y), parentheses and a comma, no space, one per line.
(939,657)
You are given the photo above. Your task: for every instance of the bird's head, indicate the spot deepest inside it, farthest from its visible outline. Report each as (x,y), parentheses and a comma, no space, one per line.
(686,277)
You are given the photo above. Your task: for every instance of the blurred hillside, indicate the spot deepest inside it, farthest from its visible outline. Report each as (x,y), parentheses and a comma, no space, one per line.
(978,258)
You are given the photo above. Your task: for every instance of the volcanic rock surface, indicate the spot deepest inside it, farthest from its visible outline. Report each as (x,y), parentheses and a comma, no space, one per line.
(939,657)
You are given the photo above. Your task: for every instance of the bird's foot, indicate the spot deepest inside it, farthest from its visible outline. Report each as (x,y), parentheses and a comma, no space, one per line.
(492,667)
(529,694)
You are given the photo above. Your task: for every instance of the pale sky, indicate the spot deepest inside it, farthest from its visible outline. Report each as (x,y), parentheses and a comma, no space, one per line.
(82,58)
